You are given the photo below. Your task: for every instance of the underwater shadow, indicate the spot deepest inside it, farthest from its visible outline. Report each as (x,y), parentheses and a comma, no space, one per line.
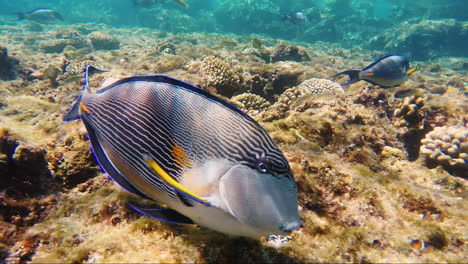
(220,248)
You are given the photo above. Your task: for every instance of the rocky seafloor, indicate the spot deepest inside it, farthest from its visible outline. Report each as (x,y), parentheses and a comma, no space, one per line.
(381,173)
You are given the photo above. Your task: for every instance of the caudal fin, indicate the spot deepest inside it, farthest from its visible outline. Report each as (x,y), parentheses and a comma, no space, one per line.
(20,16)
(73,112)
(353,76)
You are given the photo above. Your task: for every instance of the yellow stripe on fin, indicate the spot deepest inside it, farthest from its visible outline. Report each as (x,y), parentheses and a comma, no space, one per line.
(84,108)
(410,71)
(177,186)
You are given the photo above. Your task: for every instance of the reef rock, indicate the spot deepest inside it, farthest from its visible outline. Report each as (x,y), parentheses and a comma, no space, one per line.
(448,146)
(284,52)
(57,43)
(102,41)
(426,39)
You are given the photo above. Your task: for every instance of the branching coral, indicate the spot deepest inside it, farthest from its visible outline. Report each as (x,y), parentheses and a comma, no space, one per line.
(219,76)
(251,103)
(410,113)
(447,146)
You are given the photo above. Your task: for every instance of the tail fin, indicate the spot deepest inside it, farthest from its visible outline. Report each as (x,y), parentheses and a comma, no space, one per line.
(20,16)
(73,112)
(353,76)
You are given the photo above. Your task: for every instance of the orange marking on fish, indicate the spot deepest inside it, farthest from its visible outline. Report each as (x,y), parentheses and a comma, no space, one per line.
(180,156)
(369,74)
(84,108)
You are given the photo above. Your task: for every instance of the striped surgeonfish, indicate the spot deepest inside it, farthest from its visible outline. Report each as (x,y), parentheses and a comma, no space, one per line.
(210,163)
(387,71)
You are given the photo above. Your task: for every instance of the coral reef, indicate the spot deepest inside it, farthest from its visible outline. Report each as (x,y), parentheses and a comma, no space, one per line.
(220,77)
(448,146)
(425,39)
(251,103)
(368,188)
(410,113)
(60,40)
(308,87)
(284,52)
(102,41)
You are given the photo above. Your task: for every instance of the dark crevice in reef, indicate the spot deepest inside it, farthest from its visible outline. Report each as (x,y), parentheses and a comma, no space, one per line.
(8,65)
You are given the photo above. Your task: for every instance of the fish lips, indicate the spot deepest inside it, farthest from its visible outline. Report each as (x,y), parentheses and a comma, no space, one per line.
(260,200)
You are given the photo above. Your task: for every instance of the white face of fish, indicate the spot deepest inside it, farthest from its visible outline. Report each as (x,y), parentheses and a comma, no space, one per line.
(261,203)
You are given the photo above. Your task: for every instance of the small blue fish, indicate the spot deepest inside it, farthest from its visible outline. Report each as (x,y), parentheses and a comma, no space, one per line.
(41,15)
(387,71)
(212,164)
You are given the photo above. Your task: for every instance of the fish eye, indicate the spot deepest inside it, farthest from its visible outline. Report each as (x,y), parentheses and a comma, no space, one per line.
(263,167)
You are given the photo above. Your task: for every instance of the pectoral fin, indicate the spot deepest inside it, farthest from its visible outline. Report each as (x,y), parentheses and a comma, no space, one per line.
(164,215)
(410,71)
(173,183)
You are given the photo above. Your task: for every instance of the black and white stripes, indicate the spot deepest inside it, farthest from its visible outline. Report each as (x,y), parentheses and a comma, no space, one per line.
(151,115)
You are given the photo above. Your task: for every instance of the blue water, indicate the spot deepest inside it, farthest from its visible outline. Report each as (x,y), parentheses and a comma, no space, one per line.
(347,22)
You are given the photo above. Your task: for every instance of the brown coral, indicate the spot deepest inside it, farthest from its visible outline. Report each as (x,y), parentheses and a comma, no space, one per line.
(102,41)
(219,76)
(251,103)
(284,52)
(410,113)
(63,39)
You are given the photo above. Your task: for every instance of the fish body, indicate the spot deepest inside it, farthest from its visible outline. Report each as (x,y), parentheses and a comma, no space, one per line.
(297,18)
(41,15)
(169,141)
(387,71)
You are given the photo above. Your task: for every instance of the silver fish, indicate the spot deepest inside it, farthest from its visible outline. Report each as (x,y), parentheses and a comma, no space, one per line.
(41,15)
(387,71)
(169,141)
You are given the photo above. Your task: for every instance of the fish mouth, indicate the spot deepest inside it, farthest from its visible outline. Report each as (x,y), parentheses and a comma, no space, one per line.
(265,202)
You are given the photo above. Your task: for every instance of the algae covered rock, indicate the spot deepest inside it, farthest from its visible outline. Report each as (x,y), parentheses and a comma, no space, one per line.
(63,39)
(448,146)
(309,87)
(103,41)
(284,52)
(220,76)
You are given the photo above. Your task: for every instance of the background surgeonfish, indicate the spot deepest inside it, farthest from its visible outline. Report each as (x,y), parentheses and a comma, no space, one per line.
(172,142)
(387,71)
(41,15)
(298,17)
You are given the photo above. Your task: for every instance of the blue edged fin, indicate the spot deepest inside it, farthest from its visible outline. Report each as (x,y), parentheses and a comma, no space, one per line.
(164,215)
(73,113)
(378,60)
(353,76)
